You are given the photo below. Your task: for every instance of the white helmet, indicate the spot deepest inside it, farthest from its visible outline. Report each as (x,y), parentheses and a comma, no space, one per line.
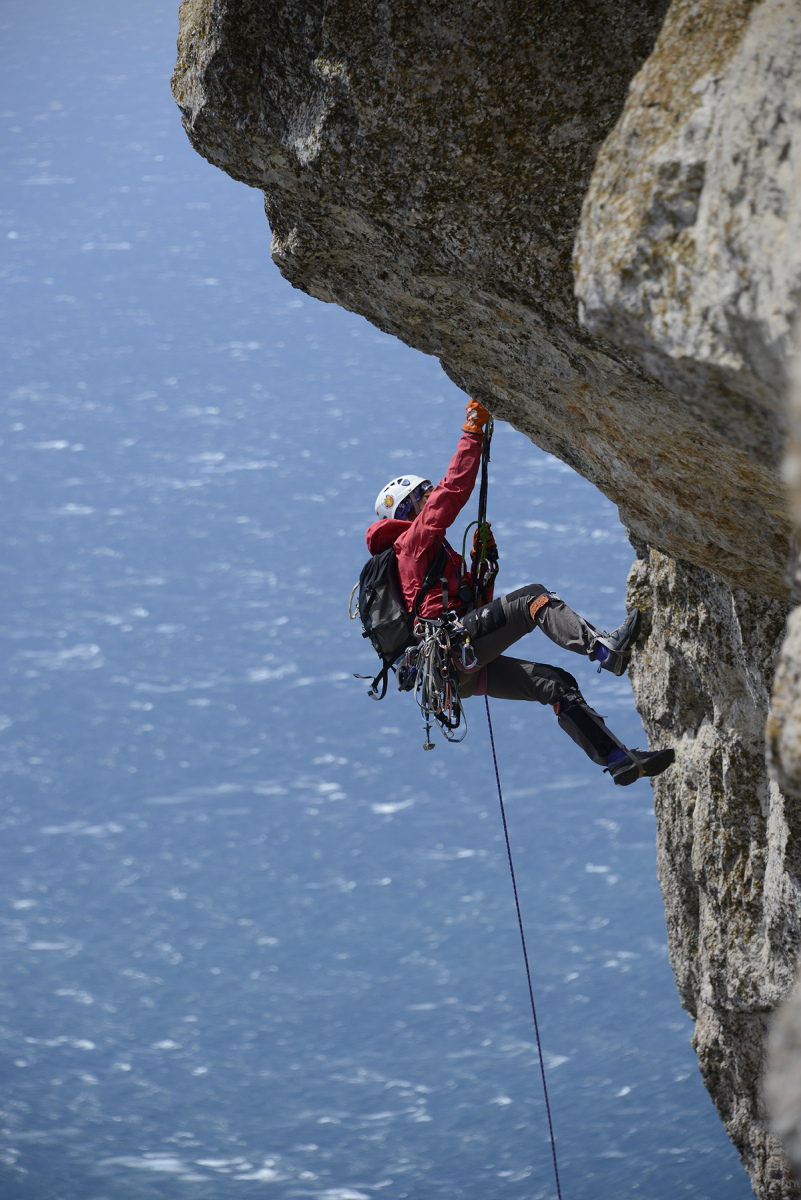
(406,488)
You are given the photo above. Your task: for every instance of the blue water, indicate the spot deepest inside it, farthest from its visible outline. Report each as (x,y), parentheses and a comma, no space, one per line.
(255,940)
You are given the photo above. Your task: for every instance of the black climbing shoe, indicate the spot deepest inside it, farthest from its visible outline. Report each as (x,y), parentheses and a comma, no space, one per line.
(618,644)
(649,762)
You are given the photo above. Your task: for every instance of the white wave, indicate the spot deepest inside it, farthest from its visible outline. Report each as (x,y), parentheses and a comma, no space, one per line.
(84,829)
(450,856)
(105,245)
(264,1175)
(342,1194)
(165,1164)
(83,655)
(193,793)
(263,674)
(47,180)
(73,510)
(386,809)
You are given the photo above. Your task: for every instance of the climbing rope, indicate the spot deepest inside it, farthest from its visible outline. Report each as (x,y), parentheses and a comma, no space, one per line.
(525,951)
(485,552)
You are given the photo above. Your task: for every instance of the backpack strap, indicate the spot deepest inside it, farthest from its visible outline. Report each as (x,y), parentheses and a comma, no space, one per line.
(383,678)
(435,572)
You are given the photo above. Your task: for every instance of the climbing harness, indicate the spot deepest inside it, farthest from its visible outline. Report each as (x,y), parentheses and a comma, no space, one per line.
(525,952)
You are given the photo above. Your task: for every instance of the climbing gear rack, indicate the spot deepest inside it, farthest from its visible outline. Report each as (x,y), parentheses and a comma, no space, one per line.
(429,670)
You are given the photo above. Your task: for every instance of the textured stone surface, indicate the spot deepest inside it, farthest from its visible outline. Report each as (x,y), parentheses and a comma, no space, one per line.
(689,253)
(783,1080)
(424,164)
(443,167)
(729,873)
(784,725)
(689,256)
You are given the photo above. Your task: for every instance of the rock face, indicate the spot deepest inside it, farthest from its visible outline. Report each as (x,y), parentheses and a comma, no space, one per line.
(728,856)
(453,170)
(425,164)
(783,1082)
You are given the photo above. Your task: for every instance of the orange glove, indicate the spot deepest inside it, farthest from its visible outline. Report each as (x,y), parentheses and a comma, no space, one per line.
(477,417)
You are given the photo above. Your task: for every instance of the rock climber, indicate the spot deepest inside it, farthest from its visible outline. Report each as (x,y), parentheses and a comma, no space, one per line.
(414,516)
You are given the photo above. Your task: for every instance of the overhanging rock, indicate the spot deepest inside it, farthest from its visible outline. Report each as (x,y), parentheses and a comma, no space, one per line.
(425,164)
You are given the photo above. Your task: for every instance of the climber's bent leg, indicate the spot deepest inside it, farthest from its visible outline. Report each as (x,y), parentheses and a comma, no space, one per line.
(515,679)
(555,618)
(586,727)
(496,626)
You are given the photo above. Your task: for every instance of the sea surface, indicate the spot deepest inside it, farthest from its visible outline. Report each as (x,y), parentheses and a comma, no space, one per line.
(255,941)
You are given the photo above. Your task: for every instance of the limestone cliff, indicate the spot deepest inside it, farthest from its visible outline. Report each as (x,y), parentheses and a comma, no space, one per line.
(453,169)
(783,1083)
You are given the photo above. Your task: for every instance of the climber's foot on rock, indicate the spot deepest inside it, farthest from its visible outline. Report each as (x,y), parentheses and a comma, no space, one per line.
(612,651)
(647,763)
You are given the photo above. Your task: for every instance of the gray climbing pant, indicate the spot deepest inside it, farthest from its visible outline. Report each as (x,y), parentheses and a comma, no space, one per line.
(496,626)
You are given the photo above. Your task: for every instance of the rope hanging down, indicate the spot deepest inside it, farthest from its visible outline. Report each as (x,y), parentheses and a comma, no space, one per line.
(525,953)
(486,558)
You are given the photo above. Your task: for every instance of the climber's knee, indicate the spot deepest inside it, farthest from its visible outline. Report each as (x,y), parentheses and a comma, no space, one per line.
(535,606)
(562,683)
(533,597)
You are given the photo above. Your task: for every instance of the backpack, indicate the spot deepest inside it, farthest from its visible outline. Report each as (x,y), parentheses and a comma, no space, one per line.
(383,613)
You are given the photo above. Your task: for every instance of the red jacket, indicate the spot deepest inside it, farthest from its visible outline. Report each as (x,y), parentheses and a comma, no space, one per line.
(417,542)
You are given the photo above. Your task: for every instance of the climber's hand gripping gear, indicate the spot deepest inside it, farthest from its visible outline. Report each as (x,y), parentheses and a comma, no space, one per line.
(483,563)
(476,417)
(484,540)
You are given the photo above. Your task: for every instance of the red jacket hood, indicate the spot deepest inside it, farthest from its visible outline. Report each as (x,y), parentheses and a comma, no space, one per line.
(384,533)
